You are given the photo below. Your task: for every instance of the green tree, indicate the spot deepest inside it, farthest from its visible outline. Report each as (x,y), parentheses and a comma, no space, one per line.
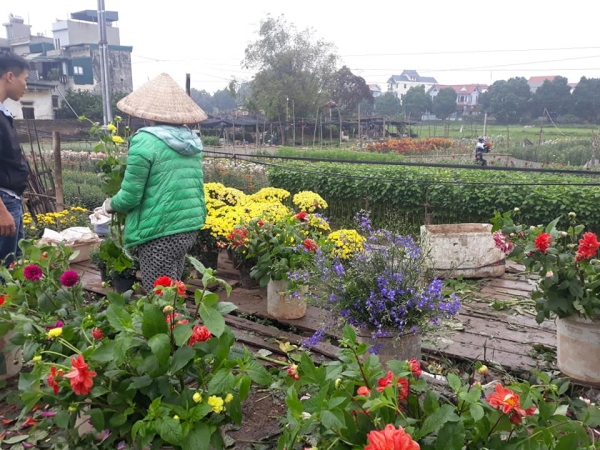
(553,96)
(203,99)
(348,90)
(224,100)
(387,105)
(444,103)
(292,66)
(416,102)
(507,101)
(586,99)
(86,103)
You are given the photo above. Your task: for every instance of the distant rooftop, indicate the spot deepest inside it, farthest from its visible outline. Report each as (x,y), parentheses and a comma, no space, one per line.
(90,15)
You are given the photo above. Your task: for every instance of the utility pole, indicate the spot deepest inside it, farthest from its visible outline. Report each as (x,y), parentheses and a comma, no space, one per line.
(188,84)
(104,80)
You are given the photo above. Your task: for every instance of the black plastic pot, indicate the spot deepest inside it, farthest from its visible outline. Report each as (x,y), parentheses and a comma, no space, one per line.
(122,285)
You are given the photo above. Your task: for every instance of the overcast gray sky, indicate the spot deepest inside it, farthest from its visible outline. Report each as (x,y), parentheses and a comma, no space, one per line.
(464,41)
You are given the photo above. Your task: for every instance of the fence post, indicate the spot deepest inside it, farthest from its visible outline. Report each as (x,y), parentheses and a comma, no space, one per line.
(58,181)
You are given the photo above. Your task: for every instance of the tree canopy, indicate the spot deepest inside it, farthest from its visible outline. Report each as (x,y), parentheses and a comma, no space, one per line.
(507,101)
(416,102)
(348,90)
(88,104)
(444,103)
(553,96)
(293,66)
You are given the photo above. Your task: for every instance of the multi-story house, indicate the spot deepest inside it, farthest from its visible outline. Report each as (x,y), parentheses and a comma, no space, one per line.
(375,90)
(68,60)
(400,84)
(467,96)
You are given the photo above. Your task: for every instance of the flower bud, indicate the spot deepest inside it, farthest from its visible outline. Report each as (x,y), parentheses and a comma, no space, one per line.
(72,408)
(483,370)
(564,234)
(97,333)
(516,210)
(168,309)
(36,358)
(572,214)
(176,417)
(197,397)
(338,382)
(549,274)
(306,415)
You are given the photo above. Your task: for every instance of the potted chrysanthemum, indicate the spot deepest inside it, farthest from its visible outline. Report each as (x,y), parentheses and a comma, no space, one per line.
(568,287)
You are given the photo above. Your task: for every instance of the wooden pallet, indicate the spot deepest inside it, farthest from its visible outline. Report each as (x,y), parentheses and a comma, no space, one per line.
(482,334)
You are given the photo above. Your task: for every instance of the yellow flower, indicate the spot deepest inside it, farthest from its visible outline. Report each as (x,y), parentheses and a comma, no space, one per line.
(346,242)
(309,201)
(55,332)
(176,417)
(228,398)
(216,403)
(36,358)
(118,140)
(110,127)
(197,397)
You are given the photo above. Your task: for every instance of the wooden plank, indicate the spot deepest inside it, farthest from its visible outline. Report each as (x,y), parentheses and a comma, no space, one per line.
(513,293)
(511,284)
(484,311)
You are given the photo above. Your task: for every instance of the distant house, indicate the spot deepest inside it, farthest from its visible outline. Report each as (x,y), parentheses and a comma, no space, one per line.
(375,90)
(467,95)
(68,60)
(400,84)
(535,82)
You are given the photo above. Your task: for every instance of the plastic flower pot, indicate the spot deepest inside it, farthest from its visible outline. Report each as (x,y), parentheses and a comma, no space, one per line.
(280,305)
(393,347)
(10,359)
(578,349)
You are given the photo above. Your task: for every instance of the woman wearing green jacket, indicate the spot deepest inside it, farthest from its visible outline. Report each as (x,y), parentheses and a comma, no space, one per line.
(163,188)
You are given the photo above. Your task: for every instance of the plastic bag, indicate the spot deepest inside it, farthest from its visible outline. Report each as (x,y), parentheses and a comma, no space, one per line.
(70,236)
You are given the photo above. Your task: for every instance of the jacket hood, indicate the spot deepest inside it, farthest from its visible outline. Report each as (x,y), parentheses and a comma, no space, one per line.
(181,139)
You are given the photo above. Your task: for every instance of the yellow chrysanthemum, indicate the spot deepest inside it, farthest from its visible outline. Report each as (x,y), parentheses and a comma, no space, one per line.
(346,242)
(55,332)
(228,398)
(309,201)
(118,140)
(216,403)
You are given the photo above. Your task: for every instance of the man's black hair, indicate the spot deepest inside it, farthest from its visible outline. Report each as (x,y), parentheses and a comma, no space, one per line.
(11,62)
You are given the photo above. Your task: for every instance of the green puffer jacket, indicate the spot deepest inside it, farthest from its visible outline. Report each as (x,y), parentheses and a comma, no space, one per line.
(163,188)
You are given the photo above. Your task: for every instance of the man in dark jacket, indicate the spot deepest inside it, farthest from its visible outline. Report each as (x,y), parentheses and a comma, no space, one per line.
(14,169)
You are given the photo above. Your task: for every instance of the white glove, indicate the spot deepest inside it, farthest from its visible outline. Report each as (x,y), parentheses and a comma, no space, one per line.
(106,208)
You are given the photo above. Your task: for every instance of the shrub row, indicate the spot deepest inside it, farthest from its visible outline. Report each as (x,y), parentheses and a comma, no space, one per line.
(396,195)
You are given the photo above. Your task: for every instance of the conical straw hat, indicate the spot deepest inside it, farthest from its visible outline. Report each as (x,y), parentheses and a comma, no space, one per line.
(162,100)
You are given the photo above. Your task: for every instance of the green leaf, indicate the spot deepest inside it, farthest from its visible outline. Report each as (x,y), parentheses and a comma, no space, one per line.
(430,403)
(97,417)
(292,401)
(198,438)
(226,307)
(16,439)
(140,382)
(244,387)
(476,411)
(170,430)
(105,352)
(118,318)
(160,344)
(451,436)
(332,420)
(213,320)
(182,333)
(454,382)
(61,419)
(181,357)
(568,442)
(222,381)
(153,321)
(210,299)
(437,420)
(118,419)
(258,373)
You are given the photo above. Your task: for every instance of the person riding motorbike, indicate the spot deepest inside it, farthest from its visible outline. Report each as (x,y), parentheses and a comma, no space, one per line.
(483,146)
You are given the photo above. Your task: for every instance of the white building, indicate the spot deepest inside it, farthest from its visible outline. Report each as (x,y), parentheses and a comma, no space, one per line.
(400,84)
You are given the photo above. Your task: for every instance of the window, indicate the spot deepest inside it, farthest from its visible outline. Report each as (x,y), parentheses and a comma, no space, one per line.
(55,101)
(404,85)
(57,44)
(28,112)
(77,70)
